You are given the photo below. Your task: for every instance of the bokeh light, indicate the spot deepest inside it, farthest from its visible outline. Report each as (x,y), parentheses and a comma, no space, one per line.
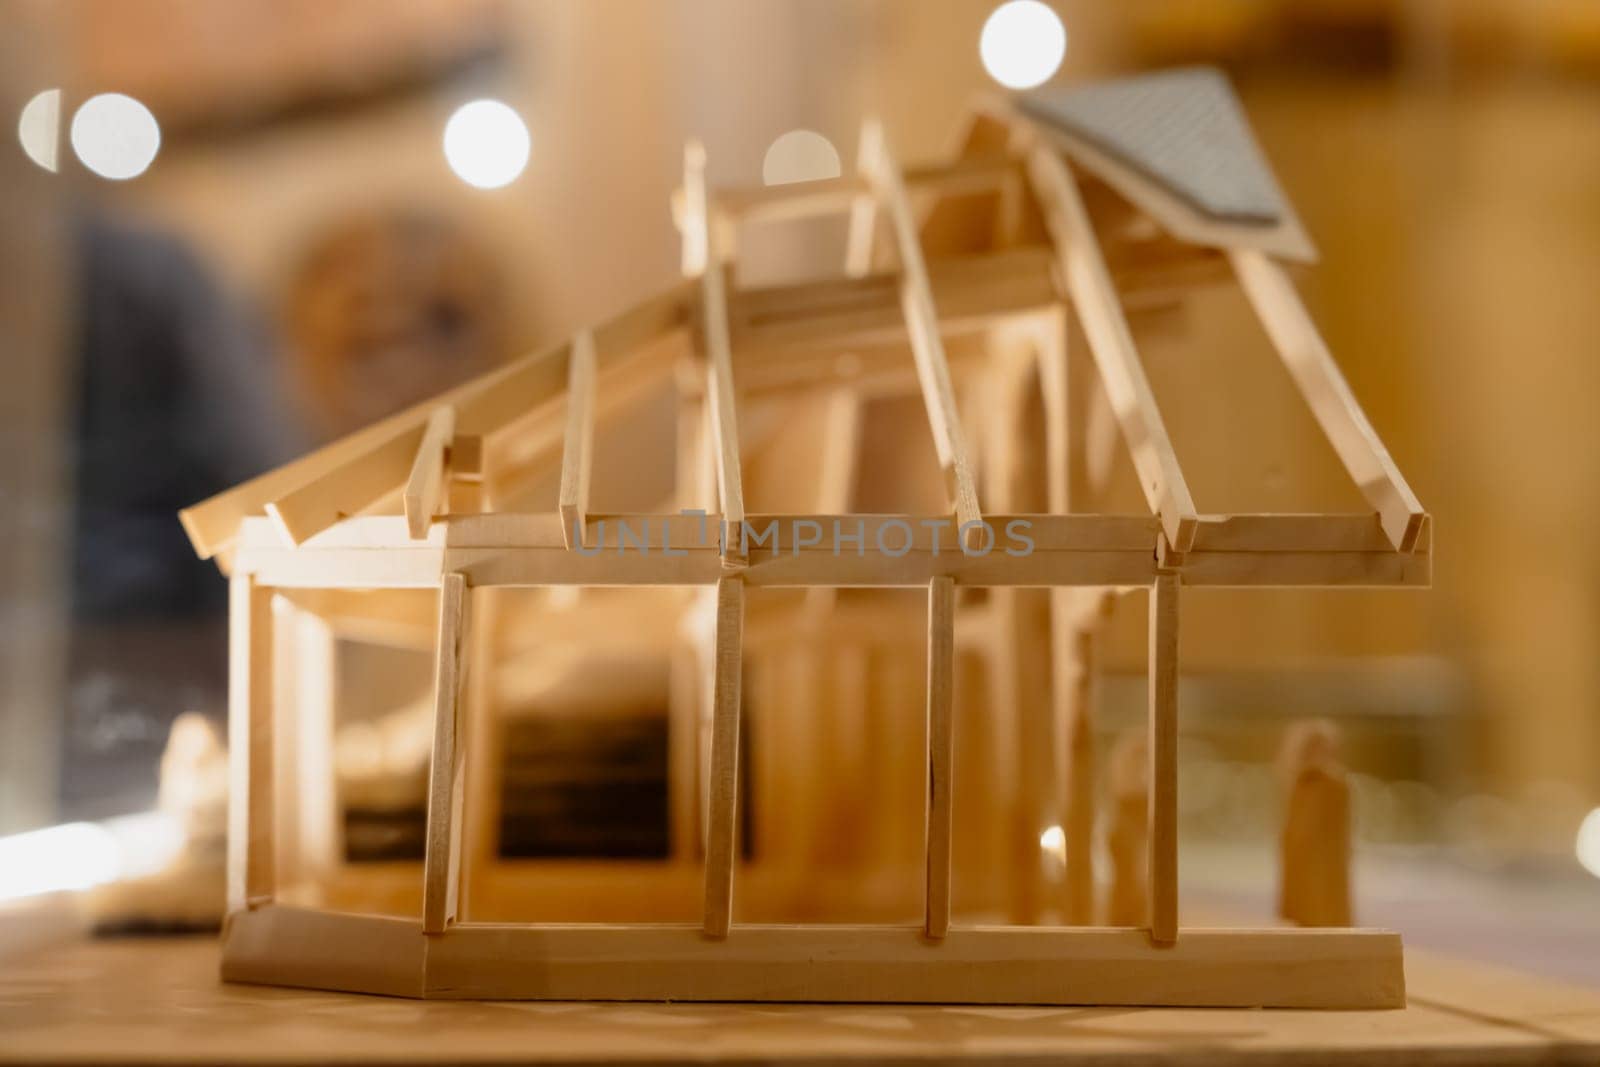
(1588,847)
(486,143)
(39,129)
(1023,44)
(115,136)
(800,156)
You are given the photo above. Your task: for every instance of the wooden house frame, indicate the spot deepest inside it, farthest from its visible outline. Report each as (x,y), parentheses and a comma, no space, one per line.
(310,529)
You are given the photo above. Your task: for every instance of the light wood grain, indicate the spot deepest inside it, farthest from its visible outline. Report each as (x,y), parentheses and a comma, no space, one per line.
(251,879)
(424,494)
(1095,299)
(109,1001)
(577,454)
(1163,755)
(720,396)
(922,323)
(441,878)
(1320,381)
(722,834)
(941,755)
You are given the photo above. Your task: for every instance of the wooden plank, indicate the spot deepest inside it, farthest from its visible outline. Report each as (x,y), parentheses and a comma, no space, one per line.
(441,879)
(922,322)
(941,755)
(251,880)
(425,486)
(1163,753)
(718,353)
(298,946)
(577,454)
(831,195)
(1336,408)
(1094,296)
(982,965)
(722,833)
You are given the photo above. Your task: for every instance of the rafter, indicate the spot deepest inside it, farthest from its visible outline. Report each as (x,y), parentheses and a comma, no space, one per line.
(1094,297)
(425,488)
(922,323)
(1327,393)
(577,453)
(718,350)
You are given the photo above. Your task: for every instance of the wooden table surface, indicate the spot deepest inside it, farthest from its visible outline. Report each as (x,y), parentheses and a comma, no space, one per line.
(159,1001)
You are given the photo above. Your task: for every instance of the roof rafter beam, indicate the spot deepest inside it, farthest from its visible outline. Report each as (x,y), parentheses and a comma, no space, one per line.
(483,405)
(577,454)
(699,234)
(1094,295)
(425,487)
(922,323)
(1337,411)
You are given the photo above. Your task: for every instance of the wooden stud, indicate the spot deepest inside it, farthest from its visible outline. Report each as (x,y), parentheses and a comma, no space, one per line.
(577,453)
(922,323)
(941,754)
(425,487)
(1094,296)
(442,865)
(252,879)
(722,835)
(1320,381)
(1163,670)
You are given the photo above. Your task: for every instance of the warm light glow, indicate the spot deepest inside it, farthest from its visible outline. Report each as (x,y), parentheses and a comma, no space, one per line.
(1053,842)
(486,143)
(115,136)
(39,129)
(800,156)
(82,855)
(1588,847)
(1023,44)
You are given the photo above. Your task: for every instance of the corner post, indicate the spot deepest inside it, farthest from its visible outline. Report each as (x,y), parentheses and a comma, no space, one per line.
(252,878)
(1163,840)
(442,860)
(722,833)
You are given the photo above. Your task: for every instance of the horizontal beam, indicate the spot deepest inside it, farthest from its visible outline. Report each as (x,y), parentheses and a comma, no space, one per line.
(835,195)
(1292,968)
(801,550)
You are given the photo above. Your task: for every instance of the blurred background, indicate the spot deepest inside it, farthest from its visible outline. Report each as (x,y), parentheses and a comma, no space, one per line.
(268,240)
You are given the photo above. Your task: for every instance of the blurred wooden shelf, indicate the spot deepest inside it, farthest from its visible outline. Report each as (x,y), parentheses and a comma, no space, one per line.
(160,1001)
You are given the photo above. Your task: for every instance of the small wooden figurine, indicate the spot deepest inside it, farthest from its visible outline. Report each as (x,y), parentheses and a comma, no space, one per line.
(1314,848)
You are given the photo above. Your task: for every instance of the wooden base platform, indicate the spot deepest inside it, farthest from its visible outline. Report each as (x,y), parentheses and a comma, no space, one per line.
(137,1001)
(1278,968)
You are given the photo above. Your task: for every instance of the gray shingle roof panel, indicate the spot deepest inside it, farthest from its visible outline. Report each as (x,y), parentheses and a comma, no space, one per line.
(1183,128)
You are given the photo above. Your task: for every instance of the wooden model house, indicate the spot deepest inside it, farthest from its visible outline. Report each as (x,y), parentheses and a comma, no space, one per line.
(836,746)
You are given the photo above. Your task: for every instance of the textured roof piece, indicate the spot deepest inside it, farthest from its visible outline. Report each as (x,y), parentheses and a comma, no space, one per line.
(1182,128)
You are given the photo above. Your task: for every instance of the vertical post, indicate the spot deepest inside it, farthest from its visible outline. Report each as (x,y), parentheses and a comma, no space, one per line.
(442,861)
(1163,668)
(722,833)
(941,753)
(251,875)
